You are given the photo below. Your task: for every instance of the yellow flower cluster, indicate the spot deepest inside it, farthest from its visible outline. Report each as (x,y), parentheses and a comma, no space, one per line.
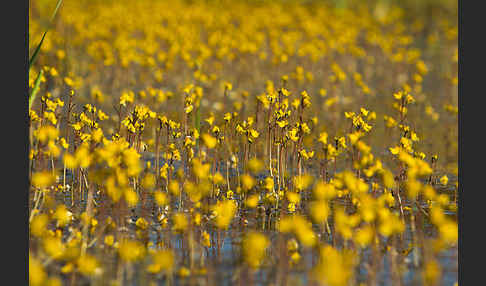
(170,138)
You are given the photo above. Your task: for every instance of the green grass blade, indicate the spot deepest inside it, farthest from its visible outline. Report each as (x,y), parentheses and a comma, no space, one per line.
(55,10)
(34,56)
(35,90)
(37,49)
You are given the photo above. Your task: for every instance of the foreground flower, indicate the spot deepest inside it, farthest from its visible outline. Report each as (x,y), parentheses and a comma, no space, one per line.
(254,246)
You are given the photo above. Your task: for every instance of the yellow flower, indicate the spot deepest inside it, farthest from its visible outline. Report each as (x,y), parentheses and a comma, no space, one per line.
(161,198)
(189,108)
(254,133)
(184,272)
(227,117)
(180,222)
(255,165)
(210,119)
(148,181)
(54,247)
(444,180)
(62,215)
(224,212)
(345,223)
(292,134)
(254,246)
(252,201)
(131,250)
(228,86)
(68,268)
(431,272)
(64,144)
(449,231)
(163,260)
(53,281)
(43,179)
(295,257)
(394,150)
(248,182)
(282,123)
(206,241)
(269,183)
(302,228)
(141,223)
(306,155)
(173,188)
(209,140)
(324,191)
(398,95)
(364,111)
(199,169)
(37,274)
(364,236)
(127,97)
(341,141)
(335,268)
(109,240)
(319,211)
(331,101)
(97,135)
(389,223)
(38,226)
(87,264)
(293,197)
(349,114)
(131,197)
(291,207)
(302,182)
(323,138)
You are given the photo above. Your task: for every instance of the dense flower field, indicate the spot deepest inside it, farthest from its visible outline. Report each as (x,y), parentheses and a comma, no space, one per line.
(242,143)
